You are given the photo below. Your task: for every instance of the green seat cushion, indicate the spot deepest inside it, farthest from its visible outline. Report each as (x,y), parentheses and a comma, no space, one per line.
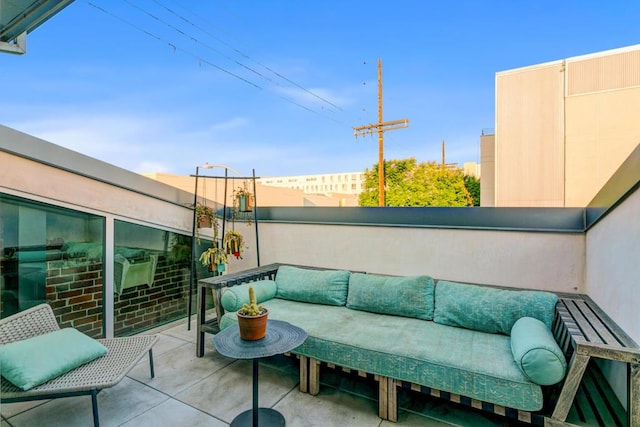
(455,360)
(487,309)
(536,352)
(233,297)
(36,360)
(401,296)
(314,286)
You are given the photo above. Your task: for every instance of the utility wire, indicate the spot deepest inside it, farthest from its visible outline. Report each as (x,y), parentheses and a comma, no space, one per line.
(244,55)
(173,46)
(199,58)
(192,38)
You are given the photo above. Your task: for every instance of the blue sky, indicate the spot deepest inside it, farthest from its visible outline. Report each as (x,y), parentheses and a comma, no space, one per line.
(276,86)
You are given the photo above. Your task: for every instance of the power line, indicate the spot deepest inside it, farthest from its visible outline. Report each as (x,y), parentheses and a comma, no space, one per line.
(203,60)
(173,46)
(244,55)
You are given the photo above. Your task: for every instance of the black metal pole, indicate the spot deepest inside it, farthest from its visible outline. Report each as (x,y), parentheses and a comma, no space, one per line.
(255,217)
(256,408)
(193,251)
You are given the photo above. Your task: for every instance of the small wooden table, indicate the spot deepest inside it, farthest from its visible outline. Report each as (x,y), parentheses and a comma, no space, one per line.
(281,337)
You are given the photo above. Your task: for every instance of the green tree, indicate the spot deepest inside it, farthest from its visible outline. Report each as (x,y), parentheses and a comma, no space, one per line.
(473,187)
(409,183)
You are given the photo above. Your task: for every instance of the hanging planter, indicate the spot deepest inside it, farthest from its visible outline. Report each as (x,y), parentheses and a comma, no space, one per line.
(214,259)
(233,243)
(246,202)
(243,199)
(205,216)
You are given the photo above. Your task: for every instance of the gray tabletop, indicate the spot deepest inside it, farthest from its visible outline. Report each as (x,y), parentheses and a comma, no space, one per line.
(281,337)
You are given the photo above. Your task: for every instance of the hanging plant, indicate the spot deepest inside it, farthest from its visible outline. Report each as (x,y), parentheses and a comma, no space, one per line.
(206,217)
(243,202)
(215,259)
(233,243)
(243,198)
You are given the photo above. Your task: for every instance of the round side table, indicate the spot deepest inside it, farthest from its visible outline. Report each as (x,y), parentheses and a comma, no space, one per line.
(281,337)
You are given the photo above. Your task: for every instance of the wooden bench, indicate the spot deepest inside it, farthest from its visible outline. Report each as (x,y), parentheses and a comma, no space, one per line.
(581,328)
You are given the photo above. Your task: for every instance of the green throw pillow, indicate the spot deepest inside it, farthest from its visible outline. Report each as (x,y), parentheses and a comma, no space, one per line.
(233,297)
(400,296)
(36,360)
(314,286)
(536,352)
(487,309)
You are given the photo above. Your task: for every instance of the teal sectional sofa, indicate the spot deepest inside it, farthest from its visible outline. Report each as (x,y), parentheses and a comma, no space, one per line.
(476,344)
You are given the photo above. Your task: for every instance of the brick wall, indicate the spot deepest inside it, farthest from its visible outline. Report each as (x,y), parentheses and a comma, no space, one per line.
(144,307)
(74,291)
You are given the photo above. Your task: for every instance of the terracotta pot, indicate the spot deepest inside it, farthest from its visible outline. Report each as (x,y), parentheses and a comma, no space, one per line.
(204,222)
(253,328)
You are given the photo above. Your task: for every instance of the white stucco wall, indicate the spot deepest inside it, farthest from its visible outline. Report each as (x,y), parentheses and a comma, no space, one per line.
(551,261)
(45,183)
(613,276)
(613,265)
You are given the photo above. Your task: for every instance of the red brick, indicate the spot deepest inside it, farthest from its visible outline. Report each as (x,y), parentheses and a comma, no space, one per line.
(80,299)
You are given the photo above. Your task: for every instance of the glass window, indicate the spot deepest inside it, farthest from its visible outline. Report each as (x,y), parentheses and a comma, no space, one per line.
(151,276)
(52,255)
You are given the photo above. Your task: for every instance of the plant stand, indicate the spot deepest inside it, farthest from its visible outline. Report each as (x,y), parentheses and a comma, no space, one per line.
(250,205)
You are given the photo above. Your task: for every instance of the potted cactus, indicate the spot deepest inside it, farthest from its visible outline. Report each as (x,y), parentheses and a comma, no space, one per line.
(252,319)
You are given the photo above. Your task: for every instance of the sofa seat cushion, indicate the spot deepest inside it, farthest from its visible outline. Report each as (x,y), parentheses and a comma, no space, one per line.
(410,296)
(314,286)
(489,309)
(470,363)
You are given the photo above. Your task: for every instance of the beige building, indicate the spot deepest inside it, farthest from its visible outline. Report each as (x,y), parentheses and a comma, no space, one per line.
(561,129)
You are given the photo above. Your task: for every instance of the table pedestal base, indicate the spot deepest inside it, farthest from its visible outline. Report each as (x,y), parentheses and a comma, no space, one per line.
(267,417)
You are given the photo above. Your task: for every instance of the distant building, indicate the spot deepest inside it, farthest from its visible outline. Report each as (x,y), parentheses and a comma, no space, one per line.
(213,189)
(562,129)
(327,184)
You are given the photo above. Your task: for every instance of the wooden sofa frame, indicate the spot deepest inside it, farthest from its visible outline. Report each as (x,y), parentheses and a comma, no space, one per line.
(581,328)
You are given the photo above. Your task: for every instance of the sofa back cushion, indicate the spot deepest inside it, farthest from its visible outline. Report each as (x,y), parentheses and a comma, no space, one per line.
(536,352)
(233,297)
(400,296)
(314,286)
(487,309)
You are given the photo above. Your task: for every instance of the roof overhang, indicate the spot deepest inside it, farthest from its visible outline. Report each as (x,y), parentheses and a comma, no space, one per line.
(20,17)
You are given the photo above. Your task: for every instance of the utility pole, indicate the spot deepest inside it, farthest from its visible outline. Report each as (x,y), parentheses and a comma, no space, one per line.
(380,128)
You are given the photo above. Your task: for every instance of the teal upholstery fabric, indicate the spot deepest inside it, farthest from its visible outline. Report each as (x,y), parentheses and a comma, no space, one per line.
(536,352)
(34,361)
(455,360)
(401,296)
(233,297)
(487,309)
(314,286)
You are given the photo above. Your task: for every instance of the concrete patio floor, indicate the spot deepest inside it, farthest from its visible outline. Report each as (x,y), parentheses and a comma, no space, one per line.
(212,390)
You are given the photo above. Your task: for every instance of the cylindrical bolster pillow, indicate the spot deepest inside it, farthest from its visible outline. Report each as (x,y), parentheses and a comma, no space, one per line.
(233,297)
(536,352)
